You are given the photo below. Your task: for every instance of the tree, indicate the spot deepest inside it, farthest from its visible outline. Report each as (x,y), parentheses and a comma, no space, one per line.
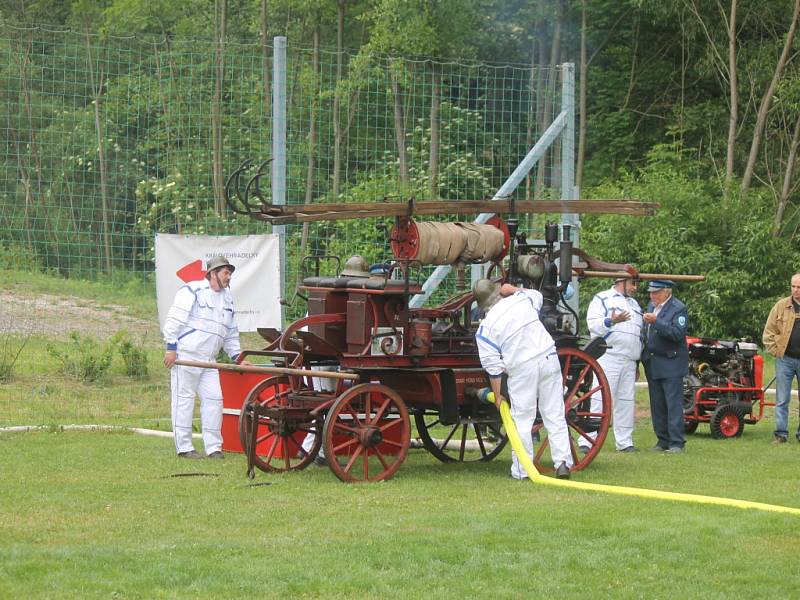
(766,99)
(420,28)
(220,34)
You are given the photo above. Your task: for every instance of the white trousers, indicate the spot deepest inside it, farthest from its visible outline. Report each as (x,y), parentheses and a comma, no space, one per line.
(537,383)
(186,383)
(621,375)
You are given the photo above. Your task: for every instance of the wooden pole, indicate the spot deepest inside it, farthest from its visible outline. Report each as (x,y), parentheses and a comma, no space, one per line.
(269,370)
(643,276)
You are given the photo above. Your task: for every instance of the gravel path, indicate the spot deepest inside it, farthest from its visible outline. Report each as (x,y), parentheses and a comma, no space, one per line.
(55,316)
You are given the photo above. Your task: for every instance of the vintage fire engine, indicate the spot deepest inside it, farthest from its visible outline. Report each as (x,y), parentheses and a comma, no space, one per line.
(347,380)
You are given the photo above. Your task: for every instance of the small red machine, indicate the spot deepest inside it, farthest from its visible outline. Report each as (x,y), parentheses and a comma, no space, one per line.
(723,387)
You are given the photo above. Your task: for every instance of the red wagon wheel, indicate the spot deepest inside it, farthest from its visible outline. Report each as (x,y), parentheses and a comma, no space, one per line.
(367,433)
(587,419)
(280,435)
(475,437)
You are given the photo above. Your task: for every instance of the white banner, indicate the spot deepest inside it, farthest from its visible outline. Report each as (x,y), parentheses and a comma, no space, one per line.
(255,284)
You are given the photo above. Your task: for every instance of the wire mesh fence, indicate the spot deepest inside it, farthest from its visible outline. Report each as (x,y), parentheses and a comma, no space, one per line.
(110,140)
(107,141)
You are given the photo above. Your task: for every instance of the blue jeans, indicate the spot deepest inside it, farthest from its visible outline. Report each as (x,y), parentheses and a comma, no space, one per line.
(786,369)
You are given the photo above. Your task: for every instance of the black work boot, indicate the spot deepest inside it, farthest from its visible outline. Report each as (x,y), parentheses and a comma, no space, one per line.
(190,454)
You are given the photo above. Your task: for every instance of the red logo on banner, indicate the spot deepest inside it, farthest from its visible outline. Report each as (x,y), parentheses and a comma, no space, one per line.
(191,272)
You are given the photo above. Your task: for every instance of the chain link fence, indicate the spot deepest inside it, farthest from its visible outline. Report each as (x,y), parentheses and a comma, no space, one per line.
(107,141)
(110,140)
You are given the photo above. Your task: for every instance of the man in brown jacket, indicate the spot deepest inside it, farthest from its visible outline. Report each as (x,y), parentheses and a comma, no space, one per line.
(782,339)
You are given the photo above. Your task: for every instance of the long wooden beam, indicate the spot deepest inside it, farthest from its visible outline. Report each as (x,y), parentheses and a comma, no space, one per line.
(305,213)
(238,368)
(642,276)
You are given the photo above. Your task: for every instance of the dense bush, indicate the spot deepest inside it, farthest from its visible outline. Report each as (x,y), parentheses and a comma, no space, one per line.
(134,356)
(83,357)
(696,231)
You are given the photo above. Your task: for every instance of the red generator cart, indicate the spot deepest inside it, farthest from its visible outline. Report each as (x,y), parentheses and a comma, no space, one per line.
(723,387)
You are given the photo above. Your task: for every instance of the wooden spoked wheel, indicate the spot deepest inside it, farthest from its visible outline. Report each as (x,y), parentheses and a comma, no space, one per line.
(476,437)
(367,433)
(587,406)
(280,434)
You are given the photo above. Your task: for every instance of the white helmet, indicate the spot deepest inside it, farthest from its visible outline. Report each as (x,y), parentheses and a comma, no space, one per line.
(218,262)
(487,293)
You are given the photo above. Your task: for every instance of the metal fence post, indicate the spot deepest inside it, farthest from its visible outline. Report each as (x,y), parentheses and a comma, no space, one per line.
(279,148)
(568,191)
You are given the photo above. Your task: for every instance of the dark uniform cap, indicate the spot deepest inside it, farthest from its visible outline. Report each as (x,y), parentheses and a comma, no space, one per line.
(218,262)
(660,284)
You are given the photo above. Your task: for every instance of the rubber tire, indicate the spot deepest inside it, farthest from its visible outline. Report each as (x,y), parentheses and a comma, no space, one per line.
(726,422)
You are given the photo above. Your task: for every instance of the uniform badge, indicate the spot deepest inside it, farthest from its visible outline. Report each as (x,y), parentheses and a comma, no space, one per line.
(682,321)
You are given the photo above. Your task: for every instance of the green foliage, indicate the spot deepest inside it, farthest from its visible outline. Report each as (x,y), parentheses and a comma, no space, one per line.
(697,232)
(462,174)
(134,355)
(11,346)
(18,257)
(83,358)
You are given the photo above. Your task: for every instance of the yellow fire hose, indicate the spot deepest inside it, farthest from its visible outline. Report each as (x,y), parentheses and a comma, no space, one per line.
(536,477)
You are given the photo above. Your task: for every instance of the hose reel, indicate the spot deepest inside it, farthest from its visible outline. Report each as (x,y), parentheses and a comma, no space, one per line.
(436,243)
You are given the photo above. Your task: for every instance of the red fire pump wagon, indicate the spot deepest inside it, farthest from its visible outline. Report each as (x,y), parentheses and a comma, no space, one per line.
(365,371)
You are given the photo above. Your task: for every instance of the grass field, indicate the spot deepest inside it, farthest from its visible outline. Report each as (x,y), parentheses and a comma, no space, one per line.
(92,514)
(113,514)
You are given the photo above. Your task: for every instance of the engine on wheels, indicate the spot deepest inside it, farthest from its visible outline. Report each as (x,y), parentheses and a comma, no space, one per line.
(723,386)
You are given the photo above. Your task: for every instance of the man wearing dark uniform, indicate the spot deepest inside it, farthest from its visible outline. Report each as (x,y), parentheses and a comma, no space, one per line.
(666,361)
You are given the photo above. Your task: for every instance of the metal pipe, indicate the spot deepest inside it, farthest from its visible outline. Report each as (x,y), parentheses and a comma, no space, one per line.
(279,149)
(568,189)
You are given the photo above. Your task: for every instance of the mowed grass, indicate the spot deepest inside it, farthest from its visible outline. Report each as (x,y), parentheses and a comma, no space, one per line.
(93,514)
(113,514)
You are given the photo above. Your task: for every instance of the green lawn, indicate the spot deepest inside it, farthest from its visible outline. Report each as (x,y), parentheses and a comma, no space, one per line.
(99,514)
(103,514)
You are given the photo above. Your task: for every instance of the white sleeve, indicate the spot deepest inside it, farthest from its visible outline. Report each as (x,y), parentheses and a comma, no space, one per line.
(178,315)
(596,318)
(231,343)
(490,354)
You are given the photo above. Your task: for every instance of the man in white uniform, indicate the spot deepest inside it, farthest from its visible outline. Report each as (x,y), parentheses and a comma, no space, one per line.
(512,340)
(613,314)
(200,322)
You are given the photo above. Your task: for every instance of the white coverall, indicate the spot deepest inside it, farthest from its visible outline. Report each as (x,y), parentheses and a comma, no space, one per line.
(199,323)
(619,361)
(511,339)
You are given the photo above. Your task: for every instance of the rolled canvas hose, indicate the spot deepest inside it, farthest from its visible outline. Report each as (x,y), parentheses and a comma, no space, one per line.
(447,243)
(536,477)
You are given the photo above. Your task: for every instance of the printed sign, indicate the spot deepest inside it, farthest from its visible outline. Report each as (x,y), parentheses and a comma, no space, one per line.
(255,283)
